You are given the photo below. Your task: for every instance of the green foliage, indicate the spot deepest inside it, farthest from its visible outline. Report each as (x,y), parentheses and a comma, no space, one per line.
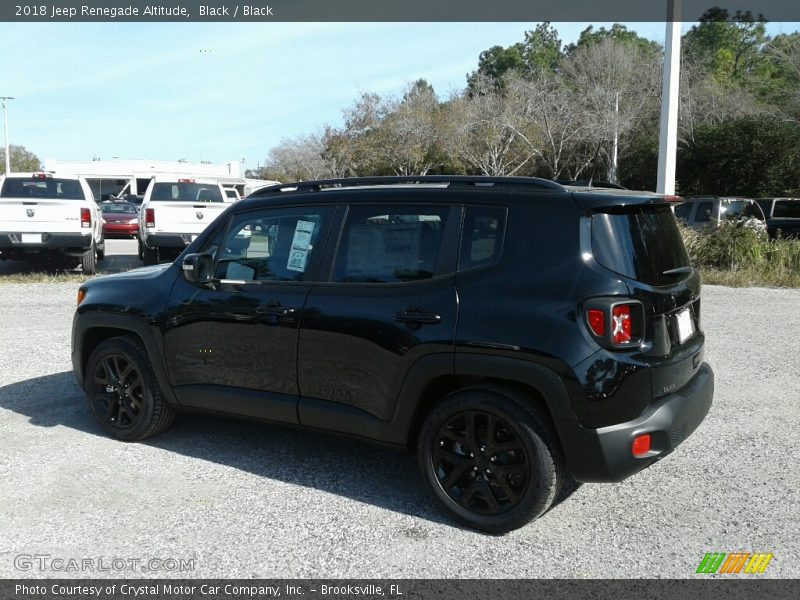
(619,33)
(729,48)
(22,161)
(752,156)
(733,249)
(541,51)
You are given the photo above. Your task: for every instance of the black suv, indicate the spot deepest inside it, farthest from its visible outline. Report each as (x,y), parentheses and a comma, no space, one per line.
(512,331)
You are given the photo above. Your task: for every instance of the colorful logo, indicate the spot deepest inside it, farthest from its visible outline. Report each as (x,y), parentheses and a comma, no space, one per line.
(734,562)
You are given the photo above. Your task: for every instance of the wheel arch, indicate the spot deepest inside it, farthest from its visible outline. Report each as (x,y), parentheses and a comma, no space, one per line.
(431,380)
(94,329)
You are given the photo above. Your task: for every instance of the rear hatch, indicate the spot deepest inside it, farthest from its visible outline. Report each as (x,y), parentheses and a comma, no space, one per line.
(41,204)
(185,206)
(642,243)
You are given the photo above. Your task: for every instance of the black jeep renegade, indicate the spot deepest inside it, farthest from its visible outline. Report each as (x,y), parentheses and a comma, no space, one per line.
(512,331)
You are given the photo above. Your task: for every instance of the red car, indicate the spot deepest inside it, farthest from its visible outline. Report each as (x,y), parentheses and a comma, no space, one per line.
(121,219)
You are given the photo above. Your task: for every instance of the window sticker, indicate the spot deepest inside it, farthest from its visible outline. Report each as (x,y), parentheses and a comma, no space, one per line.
(301,245)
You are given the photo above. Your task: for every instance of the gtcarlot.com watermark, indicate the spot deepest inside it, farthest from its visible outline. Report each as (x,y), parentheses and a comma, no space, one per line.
(64,564)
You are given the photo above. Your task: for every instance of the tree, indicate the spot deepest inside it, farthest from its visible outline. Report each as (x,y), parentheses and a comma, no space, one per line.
(729,48)
(619,33)
(22,161)
(481,130)
(753,157)
(618,83)
(541,51)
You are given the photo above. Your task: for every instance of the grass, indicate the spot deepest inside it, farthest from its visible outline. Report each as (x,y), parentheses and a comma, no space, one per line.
(43,277)
(739,256)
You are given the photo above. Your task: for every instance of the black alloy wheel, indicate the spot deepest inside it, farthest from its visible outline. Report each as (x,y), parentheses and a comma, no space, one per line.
(480,462)
(491,458)
(118,391)
(123,391)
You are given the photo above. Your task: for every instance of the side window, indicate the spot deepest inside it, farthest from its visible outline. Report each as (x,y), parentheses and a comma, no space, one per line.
(684,211)
(482,237)
(271,245)
(389,244)
(704,212)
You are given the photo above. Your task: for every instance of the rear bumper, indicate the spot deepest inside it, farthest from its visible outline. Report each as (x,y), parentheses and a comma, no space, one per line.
(13,241)
(604,454)
(120,229)
(169,240)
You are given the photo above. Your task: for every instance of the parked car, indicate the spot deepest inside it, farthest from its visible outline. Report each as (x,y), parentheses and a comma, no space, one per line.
(135,199)
(175,210)
(50,218)
(783,216)
(121,219)
(510,331)
(701,212)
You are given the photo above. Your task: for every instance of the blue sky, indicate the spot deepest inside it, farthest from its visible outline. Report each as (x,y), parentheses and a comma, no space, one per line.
(223,92)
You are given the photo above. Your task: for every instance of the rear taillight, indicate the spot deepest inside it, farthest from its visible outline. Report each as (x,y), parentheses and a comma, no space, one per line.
(621,325)
(615,324)
(86,217)
(150,217)
(597,321)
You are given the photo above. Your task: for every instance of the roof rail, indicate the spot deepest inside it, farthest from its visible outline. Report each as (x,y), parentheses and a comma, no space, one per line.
(451,180)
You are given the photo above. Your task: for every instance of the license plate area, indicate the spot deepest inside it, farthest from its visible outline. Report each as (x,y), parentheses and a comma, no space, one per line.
(684,325)
(31,238)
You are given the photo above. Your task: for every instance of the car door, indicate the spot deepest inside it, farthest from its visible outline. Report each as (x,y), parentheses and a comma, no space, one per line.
(390,299)
(231,344)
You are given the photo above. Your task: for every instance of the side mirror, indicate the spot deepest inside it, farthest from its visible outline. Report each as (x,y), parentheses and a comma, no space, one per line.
(197,268)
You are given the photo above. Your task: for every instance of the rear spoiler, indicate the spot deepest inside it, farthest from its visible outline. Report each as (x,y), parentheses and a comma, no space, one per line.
(607,198)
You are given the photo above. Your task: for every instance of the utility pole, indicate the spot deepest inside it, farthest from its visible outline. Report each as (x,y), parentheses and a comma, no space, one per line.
(668,133)
(5,132)
(615,149)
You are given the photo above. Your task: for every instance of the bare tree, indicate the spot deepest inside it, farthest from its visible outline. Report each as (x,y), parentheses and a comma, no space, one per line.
(619,84)
(480,129)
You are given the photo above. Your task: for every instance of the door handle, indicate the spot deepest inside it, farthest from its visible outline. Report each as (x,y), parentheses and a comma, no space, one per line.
(275,310)
(417,316)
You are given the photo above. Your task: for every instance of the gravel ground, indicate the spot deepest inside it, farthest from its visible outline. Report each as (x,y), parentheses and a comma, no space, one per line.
(249,500)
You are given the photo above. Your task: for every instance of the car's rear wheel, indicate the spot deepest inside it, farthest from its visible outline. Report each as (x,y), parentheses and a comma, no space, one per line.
(491,459)
(123,392)
(101,248)
(89,260)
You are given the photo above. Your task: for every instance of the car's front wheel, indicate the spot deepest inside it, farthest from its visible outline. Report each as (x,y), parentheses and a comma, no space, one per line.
(123,392)
(491,459)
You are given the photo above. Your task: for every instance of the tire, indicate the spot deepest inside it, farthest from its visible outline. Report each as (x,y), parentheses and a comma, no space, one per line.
(497,474)
(101,248)
(89,260)
(135,409)
(141,249)
(149,256)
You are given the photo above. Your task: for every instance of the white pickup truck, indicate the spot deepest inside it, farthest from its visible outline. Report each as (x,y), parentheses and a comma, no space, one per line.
(43,216)
(175,210)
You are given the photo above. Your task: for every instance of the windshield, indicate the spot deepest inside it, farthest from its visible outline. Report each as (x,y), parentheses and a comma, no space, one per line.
(186,192)
(118,208)
(47,188)
(641,243)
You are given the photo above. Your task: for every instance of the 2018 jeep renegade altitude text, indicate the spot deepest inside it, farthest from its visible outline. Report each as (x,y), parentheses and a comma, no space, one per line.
(511,331)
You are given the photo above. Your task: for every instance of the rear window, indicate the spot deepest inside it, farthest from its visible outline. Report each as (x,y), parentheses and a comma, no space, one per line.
(640,243)
(186,192)
(786,209)
(48,188)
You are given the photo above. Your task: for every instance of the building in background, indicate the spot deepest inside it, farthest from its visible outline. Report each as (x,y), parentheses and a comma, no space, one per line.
(111,177)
